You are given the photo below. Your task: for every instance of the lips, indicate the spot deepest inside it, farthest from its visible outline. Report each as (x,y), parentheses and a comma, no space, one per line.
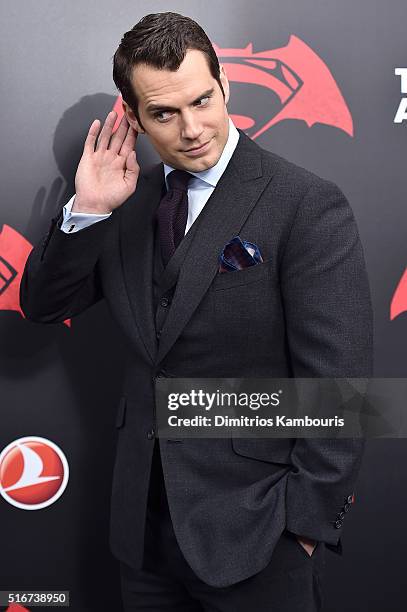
(197,150)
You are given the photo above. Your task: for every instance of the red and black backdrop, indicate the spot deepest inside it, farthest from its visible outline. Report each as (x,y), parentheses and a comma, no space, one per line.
(312,80)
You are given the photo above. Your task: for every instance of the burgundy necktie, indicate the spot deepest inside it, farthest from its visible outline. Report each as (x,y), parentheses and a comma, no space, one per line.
(172,213)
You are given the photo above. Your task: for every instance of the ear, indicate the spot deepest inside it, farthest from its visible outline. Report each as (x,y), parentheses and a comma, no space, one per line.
(225,83)
(131,118)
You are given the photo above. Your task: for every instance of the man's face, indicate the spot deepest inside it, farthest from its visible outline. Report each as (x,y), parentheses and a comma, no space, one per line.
(183,112)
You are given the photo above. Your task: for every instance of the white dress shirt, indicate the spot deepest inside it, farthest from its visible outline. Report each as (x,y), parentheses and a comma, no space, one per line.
(200,189)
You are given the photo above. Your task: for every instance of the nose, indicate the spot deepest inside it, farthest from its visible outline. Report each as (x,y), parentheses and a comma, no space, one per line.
(191,128)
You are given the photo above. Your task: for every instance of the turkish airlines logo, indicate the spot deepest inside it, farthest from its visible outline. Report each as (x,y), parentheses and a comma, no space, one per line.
(33,473)
(14,252)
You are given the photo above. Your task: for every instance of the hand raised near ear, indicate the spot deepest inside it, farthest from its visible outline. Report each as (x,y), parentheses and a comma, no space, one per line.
(108,170)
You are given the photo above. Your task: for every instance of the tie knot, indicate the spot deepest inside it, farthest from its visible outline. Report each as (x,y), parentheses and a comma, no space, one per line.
(179,179)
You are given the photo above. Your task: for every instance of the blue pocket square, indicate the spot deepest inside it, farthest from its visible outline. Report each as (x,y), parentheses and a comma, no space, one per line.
(238,254)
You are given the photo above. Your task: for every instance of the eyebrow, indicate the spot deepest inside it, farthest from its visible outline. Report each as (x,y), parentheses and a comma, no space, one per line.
(151,108)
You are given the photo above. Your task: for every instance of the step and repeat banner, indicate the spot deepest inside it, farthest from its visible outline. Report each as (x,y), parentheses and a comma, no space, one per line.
(322,83)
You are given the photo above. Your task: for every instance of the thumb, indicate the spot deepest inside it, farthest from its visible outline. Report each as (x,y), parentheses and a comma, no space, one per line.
(132,166)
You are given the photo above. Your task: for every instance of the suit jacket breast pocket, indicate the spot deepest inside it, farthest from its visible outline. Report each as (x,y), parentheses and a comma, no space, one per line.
(252,274)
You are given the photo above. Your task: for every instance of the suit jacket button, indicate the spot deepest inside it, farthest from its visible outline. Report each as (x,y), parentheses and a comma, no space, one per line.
(151,434)
(338,524)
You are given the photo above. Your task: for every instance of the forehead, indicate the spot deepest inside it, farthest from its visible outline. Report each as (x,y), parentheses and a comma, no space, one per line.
(173,87)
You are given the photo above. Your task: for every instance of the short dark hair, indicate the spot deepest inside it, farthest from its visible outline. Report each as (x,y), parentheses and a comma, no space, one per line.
(160,40)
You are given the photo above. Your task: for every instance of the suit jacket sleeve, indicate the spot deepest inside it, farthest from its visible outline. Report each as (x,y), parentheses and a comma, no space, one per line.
(60,277)
(329,333)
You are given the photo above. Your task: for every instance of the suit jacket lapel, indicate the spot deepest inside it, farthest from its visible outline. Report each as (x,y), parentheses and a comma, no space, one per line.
(220,220)
(137,245)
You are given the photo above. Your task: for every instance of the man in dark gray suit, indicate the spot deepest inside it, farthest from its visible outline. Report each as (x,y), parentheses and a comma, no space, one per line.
(197,524)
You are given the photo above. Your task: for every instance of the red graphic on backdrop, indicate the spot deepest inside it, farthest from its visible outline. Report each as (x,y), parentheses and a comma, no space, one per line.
(17,608)
(399,300)
(295,74)
(33,473)
(14,252)
(298,76)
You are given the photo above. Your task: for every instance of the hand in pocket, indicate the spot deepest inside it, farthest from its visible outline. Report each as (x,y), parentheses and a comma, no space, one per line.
(308,545)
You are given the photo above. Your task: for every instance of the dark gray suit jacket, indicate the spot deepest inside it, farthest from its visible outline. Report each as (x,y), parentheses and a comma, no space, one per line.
(304,312)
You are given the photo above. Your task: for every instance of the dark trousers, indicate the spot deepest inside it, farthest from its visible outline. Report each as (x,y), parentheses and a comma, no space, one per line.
(289,583)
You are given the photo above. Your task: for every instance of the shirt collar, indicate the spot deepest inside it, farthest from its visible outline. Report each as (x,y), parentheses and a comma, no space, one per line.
(212,175)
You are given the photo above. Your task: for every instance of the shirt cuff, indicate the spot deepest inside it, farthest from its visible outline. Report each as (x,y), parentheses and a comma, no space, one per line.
(75,221)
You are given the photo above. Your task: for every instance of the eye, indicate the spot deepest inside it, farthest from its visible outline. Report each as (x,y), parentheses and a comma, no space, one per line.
(163,116)
(203,101)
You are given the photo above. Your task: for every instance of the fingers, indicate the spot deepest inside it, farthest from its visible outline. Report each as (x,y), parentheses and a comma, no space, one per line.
(129,142)
(89,145)
(119,136)
(122,142)
(105,134)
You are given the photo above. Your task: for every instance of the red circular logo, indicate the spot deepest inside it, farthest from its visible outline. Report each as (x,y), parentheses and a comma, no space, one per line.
(33,473)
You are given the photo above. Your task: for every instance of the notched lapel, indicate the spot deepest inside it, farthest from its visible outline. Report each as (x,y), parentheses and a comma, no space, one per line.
(137,250)
(222,217)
